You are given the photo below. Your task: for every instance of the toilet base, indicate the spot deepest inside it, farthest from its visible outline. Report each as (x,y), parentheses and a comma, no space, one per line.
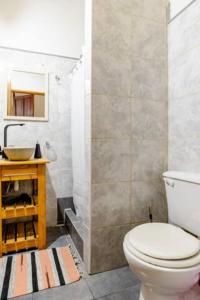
(147,294)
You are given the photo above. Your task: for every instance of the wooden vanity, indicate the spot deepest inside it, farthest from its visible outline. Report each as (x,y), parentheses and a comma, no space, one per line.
(34,172)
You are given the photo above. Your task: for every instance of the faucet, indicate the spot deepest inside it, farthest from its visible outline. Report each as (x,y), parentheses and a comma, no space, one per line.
(6,129)
(6,135)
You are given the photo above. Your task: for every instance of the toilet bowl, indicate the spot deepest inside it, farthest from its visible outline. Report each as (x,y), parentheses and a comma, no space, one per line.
(166,257)
(165,275)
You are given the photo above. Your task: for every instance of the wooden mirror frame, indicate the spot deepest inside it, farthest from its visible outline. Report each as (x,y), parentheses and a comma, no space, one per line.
(8,103)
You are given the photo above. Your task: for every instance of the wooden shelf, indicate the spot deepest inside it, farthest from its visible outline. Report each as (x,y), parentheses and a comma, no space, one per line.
(22,172)
(13,246)
(22,242)
(19,170)
(16,211)
(19,177)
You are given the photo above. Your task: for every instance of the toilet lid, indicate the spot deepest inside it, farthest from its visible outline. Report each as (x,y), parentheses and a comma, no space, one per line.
(165,263)
(163,241)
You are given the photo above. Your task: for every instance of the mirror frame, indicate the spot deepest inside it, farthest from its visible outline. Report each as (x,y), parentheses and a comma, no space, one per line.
(22,118)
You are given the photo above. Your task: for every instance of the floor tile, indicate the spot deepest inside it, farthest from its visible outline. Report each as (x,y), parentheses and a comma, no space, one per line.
(55,232)
(110,282)
(74,291)
(60,241)
(132,293)
(120,284)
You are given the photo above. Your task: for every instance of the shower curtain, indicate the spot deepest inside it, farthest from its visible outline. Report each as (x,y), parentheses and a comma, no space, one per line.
(78,134)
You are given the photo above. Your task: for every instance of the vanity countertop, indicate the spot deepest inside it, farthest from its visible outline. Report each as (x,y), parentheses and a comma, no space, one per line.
(40,161)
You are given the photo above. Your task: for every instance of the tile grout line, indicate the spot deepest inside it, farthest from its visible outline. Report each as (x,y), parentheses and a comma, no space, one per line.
(89,289)
(182,11)
(118,292)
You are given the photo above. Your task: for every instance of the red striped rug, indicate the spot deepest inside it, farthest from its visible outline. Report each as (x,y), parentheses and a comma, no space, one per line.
(30,272)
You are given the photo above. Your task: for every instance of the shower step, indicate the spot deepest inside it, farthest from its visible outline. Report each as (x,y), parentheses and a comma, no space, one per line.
(62,205)
(74,226)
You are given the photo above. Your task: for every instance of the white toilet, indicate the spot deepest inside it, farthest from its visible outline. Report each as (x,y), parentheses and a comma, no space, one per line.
(166,257)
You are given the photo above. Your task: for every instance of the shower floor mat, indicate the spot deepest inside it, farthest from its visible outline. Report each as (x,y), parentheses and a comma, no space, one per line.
(30,272)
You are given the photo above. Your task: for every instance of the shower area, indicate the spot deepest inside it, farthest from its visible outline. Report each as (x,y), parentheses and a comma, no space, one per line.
(77,218)
(119,127)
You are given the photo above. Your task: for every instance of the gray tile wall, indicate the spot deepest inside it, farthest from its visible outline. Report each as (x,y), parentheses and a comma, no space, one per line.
(129,122)
(184,90)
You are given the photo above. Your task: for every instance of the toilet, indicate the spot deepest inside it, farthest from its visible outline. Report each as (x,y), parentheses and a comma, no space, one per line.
(166,257)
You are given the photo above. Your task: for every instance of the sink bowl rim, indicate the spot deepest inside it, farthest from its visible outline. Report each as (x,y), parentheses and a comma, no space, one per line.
(19,153)
(19,148)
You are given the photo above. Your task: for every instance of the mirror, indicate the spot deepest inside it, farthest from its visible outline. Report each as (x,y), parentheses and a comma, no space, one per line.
(27,96)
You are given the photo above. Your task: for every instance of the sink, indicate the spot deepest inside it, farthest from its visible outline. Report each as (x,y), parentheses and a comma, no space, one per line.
(19,153)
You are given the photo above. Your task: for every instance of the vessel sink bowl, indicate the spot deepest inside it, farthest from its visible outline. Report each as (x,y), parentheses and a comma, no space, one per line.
(19,153)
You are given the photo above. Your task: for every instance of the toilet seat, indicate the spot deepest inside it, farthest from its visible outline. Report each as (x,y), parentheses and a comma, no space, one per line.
(163,245)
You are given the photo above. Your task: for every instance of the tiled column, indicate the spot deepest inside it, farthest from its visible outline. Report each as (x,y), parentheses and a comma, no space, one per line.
(129,122)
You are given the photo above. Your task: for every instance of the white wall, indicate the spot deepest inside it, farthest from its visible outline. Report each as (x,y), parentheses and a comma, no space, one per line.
(177,5)
(184,90)
(27,81)
(56,131)
(52,26)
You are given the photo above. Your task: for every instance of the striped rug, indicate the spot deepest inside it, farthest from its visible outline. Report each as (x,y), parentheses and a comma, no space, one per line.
(30,272)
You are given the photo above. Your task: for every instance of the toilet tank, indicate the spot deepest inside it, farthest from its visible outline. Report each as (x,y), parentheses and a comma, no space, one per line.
(183,199)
